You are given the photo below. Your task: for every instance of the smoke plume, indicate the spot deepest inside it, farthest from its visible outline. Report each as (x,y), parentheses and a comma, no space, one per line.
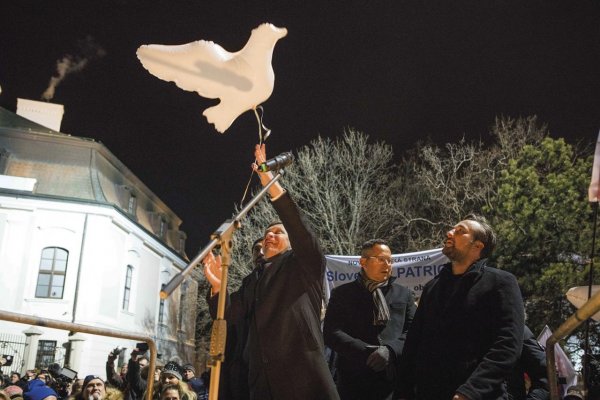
(68,64)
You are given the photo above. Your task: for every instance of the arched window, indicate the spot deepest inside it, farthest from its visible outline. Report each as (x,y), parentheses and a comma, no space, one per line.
(127,289)
(53,269)
(182,306)
(161,312)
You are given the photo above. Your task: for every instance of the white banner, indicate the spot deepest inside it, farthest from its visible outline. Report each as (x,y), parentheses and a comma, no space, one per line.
(412,270)
(564,367)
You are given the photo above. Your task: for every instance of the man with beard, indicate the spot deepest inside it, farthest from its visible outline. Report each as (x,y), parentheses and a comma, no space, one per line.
(366,324)
(284,344)
(467,333)
(93,388)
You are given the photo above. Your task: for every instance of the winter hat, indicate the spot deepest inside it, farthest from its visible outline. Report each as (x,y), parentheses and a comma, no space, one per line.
(39,391)
(174,369)
(13,391)
(189,367)
(88,379)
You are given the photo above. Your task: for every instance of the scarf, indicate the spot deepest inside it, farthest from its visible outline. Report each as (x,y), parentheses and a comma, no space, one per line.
(381,312)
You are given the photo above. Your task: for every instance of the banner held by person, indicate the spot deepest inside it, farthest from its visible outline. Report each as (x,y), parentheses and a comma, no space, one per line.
(412,270)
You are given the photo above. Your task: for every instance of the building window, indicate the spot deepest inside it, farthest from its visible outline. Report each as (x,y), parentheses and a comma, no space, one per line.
(127,289)
(4,154)
(182,307)
(161,312)
(53,269)
(45,353)
(132,204)
(162,229)
(181,244)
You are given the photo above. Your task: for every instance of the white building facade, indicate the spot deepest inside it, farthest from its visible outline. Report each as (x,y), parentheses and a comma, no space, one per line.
(83,240)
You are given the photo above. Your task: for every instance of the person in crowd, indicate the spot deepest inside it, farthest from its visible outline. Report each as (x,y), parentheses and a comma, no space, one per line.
(14,392)
(366,324)
(172,374)
(195,382)
(30,375)
(467,333)
(533,363)
(39,390)
(171,392)
(157,371)
(76,388)
(15,377)
(284,345)
(119,380)
(113,394)
(3,395)
(93,388)
(136,384)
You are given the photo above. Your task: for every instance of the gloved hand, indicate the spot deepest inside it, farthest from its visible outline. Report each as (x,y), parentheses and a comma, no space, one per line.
(379,359)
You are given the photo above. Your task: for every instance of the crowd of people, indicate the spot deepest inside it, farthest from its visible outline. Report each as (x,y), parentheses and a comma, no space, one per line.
(171,382)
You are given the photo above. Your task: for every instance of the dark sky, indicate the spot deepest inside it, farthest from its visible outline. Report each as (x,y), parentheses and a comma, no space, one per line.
(397,70)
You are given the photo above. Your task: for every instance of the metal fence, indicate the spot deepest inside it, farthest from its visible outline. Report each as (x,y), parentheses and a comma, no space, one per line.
(12,348)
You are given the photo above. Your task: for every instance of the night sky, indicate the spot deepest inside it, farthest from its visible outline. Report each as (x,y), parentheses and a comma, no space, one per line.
(397,70)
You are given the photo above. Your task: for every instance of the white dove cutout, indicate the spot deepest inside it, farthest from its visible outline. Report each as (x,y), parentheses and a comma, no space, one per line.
(241,80)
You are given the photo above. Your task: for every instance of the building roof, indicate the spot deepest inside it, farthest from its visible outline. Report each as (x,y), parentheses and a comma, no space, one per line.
(83,169)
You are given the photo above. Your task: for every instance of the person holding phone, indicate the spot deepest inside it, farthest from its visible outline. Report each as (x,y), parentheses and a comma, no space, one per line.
(136,384)
(118,380)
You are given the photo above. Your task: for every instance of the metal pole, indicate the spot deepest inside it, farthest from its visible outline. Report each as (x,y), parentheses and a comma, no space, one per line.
(69,326)
(586,346)
(218,336)
(229,224)
(223,236)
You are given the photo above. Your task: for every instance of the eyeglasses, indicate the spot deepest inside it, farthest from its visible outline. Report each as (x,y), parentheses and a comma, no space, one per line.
(382,259)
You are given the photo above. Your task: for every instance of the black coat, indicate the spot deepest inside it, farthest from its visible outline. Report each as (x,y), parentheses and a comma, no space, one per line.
(285,343)
(466,336)
(349,329)
(532,362)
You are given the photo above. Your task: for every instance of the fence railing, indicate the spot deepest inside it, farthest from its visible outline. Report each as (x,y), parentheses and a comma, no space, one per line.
(14,346)
(92,330)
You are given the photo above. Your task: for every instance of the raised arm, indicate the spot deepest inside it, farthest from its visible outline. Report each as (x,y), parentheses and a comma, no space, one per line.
(302,239)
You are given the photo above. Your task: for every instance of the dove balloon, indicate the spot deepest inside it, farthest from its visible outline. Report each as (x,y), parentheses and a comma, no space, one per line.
(241,80)
(277,163)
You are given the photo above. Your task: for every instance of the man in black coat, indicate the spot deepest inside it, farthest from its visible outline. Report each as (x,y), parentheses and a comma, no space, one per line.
(467,333)
(366,324)
(284,345)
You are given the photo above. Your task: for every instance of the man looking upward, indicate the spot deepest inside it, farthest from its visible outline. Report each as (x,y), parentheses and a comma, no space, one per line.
(467,333)
(284,344)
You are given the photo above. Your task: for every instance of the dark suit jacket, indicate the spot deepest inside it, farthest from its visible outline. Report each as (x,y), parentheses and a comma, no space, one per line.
(283,311)
(466,336)
(349,329)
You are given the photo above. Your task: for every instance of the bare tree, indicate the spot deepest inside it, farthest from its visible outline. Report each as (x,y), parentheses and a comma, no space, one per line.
(347,188)
(350,190)
(459,178)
